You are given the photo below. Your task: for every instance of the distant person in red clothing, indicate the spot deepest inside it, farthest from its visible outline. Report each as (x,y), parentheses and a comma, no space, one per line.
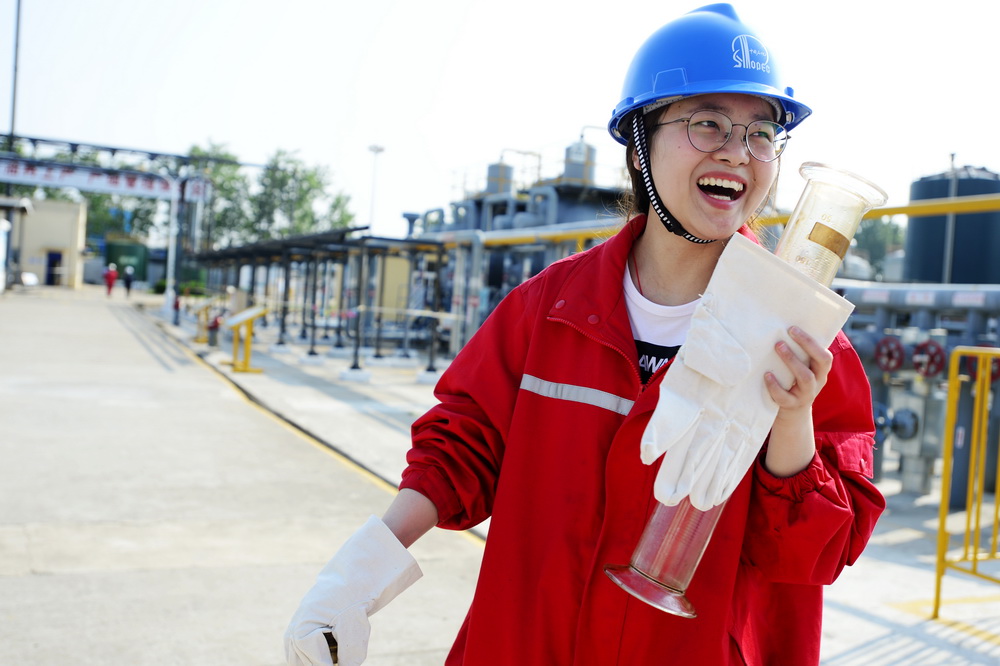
(110,277)
(543,415)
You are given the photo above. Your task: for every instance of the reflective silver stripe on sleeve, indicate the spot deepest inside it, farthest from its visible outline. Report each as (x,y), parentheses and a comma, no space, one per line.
(587,396)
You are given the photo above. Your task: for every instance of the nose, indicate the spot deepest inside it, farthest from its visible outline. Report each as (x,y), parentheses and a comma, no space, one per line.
(735,150)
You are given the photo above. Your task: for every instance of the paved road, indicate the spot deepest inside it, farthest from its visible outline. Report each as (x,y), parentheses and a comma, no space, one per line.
(157,508)
(151,514)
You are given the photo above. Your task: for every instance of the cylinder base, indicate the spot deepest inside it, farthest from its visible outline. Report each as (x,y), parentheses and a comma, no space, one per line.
(653,593)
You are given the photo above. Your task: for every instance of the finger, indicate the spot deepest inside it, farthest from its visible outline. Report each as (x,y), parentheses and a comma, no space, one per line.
(737,441)
(804,340)
(781,396)
(710,463)
(817,353)
(800,372)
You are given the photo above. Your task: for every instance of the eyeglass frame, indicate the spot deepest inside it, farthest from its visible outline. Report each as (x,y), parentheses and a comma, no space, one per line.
(729,135)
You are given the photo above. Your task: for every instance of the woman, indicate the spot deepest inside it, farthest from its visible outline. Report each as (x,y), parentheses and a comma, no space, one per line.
(110,277)
(542,413)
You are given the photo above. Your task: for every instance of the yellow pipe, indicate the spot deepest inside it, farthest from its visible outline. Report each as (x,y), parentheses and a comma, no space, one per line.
(980,203)
(971,204)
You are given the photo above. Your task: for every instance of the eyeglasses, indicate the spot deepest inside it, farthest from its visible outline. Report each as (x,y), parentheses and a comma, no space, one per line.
(709,131)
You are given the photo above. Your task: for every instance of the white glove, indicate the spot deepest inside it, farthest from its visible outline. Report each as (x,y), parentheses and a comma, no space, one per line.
(714,411)
(368,571)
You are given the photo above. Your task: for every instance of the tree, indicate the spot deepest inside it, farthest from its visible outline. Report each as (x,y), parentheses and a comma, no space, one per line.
(291,199)
(229,209)
(876,237)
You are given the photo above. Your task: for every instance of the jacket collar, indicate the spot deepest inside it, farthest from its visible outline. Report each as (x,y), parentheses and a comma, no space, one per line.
(591,298)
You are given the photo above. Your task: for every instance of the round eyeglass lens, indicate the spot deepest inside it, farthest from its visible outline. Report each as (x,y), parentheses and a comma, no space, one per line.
(709,131)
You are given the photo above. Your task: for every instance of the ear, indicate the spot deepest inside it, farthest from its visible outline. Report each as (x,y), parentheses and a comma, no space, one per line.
(635,159)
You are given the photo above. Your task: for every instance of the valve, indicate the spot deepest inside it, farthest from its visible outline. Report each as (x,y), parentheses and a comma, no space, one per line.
(929,358)
(905,423)
(882,418)
(889,353)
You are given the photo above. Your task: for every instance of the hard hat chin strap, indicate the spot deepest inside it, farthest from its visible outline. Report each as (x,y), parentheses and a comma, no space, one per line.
(642,152)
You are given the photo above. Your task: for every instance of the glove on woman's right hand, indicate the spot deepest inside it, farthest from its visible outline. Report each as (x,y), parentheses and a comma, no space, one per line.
(369,570)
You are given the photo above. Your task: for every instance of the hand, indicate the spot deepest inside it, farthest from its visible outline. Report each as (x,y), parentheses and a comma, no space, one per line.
(368,572)
(792,443)
(808,376)
(713,413)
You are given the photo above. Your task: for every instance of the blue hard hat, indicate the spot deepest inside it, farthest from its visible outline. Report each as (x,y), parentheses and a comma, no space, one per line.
(705,51)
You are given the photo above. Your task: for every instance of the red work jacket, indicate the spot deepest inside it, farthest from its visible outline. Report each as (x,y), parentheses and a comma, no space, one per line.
(538,427)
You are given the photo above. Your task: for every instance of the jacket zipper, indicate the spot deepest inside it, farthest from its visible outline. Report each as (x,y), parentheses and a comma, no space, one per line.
(635,370)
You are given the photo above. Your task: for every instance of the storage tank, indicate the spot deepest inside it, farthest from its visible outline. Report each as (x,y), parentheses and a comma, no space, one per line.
(579,163)
(499,178)
(976,243)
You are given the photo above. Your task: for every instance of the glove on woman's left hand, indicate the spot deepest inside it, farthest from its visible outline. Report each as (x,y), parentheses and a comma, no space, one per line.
(714,410)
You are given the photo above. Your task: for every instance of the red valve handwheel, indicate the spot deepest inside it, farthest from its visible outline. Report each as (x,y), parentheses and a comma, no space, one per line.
(889,353)
(929,358)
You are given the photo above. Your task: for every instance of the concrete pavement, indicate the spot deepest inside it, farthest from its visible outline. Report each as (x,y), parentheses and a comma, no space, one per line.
(158,508)
(151,514)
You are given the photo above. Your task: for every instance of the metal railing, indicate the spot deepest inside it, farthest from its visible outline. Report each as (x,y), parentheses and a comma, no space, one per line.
(979,533)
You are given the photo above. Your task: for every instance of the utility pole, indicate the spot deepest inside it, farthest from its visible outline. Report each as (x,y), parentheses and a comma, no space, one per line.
(375,153)
(9,212)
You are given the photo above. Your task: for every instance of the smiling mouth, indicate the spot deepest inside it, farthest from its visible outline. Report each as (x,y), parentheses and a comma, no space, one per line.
(721,189)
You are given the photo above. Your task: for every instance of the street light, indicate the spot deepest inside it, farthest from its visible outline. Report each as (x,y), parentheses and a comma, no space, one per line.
(13,94)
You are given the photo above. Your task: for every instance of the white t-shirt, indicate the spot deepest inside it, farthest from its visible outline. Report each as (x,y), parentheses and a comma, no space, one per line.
(659,330)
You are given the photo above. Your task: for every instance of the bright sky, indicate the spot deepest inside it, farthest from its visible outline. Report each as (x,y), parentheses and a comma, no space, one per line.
(447,87)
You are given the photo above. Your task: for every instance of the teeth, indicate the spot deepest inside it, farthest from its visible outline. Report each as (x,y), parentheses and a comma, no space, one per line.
(721,182)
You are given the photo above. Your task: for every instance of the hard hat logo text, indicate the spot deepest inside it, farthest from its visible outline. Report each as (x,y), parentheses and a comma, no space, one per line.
(750,53)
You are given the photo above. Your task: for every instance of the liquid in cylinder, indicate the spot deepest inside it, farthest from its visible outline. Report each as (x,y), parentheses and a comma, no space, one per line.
(820,229)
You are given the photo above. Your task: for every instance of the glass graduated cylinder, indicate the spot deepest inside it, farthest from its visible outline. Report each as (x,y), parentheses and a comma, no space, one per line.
(815,241)
(826,217)
(667,555)
(673,542)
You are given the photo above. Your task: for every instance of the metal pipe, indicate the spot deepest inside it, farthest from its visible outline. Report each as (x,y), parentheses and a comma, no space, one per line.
(312,331)
(305,298)
(949,227)
(286,261)
(404,351)
(325,302)
(362,269)
(381,303)
(341,302)
(436,306)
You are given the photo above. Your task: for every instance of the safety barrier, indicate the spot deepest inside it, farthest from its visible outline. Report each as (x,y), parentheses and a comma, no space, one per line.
(202,315)
(979,542)
(244,320)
